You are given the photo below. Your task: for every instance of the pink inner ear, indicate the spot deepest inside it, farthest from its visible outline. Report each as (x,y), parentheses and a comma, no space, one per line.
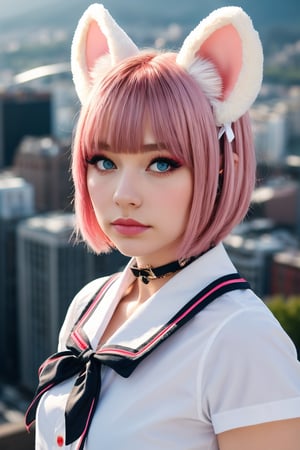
(96,45)
(224,49)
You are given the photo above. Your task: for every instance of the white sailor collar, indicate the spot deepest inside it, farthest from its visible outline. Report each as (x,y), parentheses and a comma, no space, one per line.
(178,301)
(151,316)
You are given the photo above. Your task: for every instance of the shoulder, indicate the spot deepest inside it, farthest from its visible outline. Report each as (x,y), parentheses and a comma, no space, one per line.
(250,366)
(78,304)
(247,326)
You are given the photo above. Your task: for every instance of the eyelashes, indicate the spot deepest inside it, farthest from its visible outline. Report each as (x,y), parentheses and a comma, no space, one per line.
(94,159)
(102,162)
(162,165)
(158,165)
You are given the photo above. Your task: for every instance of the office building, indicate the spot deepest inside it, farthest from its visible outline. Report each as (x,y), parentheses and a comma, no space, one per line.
(16,203)
(51,270)
(252,247)
(269,123)
(45,163)
(285,278)
(22,113)
(278,200)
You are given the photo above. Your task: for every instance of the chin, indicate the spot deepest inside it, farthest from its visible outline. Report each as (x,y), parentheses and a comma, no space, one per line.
(127,250)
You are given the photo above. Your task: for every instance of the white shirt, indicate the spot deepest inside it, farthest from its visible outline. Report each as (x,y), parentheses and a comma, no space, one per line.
(232,365)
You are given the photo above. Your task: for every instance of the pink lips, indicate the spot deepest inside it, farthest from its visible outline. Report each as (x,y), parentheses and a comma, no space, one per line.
(129,227)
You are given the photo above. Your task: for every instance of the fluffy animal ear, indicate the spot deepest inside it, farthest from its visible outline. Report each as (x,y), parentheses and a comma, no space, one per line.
(228,48)
(98,44)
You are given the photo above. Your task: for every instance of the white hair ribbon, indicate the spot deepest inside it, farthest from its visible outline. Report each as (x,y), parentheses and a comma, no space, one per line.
(226,128)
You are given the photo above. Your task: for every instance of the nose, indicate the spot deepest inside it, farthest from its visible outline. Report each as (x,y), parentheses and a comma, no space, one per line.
(127,192)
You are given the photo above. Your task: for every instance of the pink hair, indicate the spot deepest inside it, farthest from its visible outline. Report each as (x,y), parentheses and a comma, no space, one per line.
(151,88)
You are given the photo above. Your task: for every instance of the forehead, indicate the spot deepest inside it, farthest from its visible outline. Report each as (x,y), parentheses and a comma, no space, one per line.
(149,137)
(148,142)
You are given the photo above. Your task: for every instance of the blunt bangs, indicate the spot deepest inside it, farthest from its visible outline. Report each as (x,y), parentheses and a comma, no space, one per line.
(151,90)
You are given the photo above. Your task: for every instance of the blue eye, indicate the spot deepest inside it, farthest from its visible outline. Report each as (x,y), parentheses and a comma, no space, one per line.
(162,165)
(101,162)
(105,164)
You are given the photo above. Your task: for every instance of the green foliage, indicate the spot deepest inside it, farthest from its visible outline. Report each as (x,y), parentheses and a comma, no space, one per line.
(287,311)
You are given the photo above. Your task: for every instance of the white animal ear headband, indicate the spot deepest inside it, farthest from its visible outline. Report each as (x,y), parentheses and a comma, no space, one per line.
(223,53)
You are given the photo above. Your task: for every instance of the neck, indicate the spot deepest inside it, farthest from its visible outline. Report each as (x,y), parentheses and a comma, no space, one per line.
(142,292)
(149,273)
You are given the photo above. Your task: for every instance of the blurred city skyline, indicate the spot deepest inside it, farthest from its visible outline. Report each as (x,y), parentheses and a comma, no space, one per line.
(35,12)
(38,263)
(38,33)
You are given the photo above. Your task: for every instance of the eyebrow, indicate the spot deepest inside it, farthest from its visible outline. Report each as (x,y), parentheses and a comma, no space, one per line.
(146,147)
(154,146)
(104,146)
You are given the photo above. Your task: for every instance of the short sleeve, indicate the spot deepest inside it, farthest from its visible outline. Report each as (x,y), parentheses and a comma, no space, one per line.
(77,305)
(251,373)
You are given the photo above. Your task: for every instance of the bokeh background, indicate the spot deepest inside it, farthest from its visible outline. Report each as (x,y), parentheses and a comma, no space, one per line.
(41,268)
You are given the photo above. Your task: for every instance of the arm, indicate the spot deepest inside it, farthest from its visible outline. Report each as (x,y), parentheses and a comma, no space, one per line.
(279,435)
(251,385)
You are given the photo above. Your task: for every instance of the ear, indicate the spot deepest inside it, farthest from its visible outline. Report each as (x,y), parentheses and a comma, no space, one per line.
(227,39)
(98,44)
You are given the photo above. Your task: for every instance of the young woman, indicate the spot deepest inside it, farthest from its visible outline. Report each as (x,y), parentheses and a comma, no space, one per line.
(175,352)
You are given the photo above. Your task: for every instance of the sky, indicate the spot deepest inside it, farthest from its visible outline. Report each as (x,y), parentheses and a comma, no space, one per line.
(263,12)
(9,8)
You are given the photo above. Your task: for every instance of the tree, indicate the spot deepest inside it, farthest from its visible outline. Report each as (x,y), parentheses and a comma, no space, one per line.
(287,312)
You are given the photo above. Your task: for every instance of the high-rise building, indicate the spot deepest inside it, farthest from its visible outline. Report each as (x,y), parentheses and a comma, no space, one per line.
(51,270)
(279,201)
(285,278)
(16,203)
(252,247)
(45,163)
(22,113)
(269,123)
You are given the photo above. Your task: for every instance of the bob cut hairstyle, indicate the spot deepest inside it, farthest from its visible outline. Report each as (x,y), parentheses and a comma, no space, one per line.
(151,89)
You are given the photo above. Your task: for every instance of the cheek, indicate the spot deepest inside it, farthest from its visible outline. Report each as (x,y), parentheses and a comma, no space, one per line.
(91,178)
(94,186)
(179,199)
(90,181)
(184,194)
(94,191)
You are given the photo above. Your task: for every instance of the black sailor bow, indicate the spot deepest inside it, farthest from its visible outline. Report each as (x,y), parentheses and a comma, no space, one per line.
(82,361)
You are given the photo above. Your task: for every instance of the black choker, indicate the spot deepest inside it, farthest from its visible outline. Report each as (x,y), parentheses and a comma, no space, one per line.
(151,273)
